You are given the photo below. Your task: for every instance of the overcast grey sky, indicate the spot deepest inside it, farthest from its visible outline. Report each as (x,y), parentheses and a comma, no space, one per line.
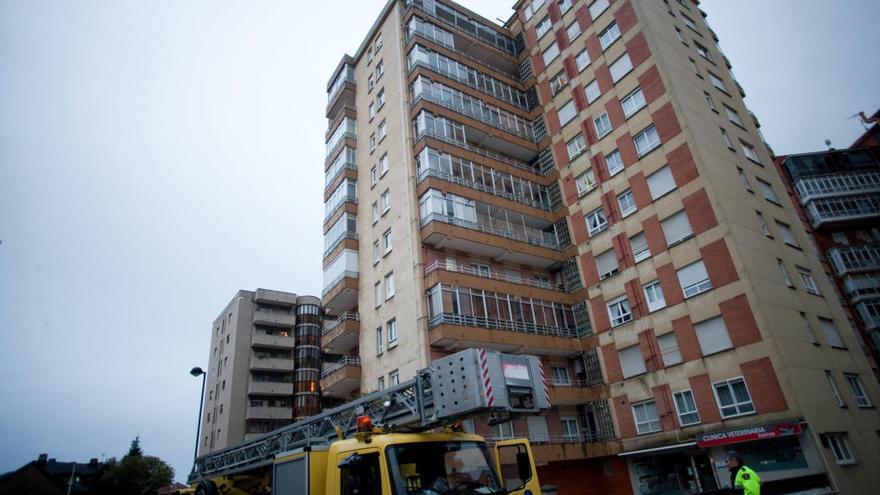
(156,156)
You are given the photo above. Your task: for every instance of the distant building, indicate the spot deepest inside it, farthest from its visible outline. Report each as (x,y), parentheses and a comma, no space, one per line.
(263,368)
(49,477)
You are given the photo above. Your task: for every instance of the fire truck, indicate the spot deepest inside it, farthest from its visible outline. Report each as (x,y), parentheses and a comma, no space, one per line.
(405,440)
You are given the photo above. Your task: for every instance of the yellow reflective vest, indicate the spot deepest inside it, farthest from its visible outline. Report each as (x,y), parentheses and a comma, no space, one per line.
(748,480)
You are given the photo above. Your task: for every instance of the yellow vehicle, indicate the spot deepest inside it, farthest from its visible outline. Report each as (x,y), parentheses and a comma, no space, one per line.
(416,447)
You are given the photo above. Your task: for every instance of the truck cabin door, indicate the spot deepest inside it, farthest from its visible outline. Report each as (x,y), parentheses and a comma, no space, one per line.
(360,474)
(513,459)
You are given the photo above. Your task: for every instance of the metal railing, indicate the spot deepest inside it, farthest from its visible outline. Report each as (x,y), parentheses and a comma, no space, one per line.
(342,363)
(847,259)
(347,316)
(508,326)
(430,35)
(479,110)
(504,277)
(486,88)
(459,22)
(330,209)
(340,278)
(569,382)
(809,188)
(343,236)
(480,151)
(529,235)
(826,210)
(346,75)
(430,172)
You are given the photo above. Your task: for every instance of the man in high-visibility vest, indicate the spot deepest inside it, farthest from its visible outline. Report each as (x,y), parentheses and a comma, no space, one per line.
(743,479)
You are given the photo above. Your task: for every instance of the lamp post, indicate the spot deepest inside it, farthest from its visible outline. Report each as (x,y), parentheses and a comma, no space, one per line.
(196,372)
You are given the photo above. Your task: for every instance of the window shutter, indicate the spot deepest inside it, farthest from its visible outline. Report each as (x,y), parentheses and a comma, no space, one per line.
(661,182)
(631,361)
(831,333)
(713,336)
(607,263)
(567,112)
(676,228)
(669,349)
(692,274)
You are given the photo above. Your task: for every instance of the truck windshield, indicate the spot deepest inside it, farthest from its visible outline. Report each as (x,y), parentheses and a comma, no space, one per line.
(441,468)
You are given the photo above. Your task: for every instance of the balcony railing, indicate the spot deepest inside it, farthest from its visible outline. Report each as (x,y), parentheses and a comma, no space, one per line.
(347,160)
(859,287)
(869,310)
(342,236)
(345,129)
(857,258)
(340,278)
(529,235)
(458,21)
(336,202)
(508,326)
(430,172)
(346,75)
(347,316)
(826,210)
(493,275)
(478,150)
(342,363)
(569,382)
(810,188)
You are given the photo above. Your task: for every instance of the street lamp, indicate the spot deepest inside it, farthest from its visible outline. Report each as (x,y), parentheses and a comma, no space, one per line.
(196,372)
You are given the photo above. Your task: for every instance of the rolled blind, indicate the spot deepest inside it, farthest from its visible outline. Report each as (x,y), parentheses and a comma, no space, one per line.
(676,228)
(692,274)
(713,336)
(661,182)
(631,361)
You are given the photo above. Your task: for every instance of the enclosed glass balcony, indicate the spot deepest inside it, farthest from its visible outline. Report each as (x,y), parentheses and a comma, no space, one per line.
(858,258)
(464,24)
(346,192)
(347,160)
(858,287)
(810,188)
(483,271)
(346,75)
(344,228)
(345,129)
(828,210)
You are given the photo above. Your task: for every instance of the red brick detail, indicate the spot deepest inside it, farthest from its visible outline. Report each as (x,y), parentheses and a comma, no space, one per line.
(591,273)
(665,408)
(740,321)
(561,155)
(624,251)
(625,17)
(625,421)
(612,212)
(719,264)
(704,397)
(699,211)
(583,17)
(615,112)
(594,49)
(553,125)
(651,84)
(648,346)
(531,36)
(579,228)
(600,314)
(544,92)
(537,63)
(654,235)
(686,336)
(627,150)
(569,189)
(763,386)
(561,39)
(553,12)
(589,132)
(669,283)
(603,76)
(580,98)
(570,67)
(666,123)
(639,187)
(612,364)
(681,164)
(638,49)
(600,169)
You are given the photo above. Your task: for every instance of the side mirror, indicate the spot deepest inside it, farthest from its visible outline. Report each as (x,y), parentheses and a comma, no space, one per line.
(523,466)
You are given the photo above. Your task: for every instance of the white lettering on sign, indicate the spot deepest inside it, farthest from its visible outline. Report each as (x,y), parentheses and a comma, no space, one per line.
(517,371)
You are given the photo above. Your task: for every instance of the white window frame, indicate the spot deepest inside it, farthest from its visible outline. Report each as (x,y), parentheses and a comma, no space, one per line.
(834,390)
(633,102)
(632,363)
(386,201)
(543,27)
(649,138)
(840,448)
(582,60)
(661,182)
(566,113)
(550,54)
(394,378)
(601,221)
(737,404)
(787,234)
(604,121)
(749,151)
(649,425)
(609,273)
(383,164)
(682,238)
(698,287)
(377,293)
(585,182)
(621,67)
(389,286)
(654,296)
(609,35)
(576,146)
(380,341)
(858,390)
(717,82)
(733,116)
(808,281)
(568,435)
(621,304)
(560,375)
(679,408)
(641,254)
(616,159)
(387,241)
(573,31)
(391,327)
(670,351)
(596,8)
(627,203)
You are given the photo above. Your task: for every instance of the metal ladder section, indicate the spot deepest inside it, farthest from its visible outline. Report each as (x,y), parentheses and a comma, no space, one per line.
(404,407)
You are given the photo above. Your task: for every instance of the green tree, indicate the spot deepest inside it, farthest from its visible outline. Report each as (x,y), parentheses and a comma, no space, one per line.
(135,473)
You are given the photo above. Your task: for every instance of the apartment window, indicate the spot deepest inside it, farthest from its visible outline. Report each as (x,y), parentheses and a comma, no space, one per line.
(374,176)
(378,43)
(592,91)
(603,125)
(842,453)
(811,332)
(392,332)
(717,82)
(564,5)
(633,102)
(858,390)
(669,349)
(597,7)
(585,182)
(560,375)
(654,296)
(733,116)
(631,361)
(377,293)
(567,112)
(576,146)
(639,246)
(380,69)
(380,341)
(573,30)
(787,234)
(481,270)
(596,221)
(503,430)
(646,141)
(609,35)
(372,142)
(686,408)
(661,182)
(784,272)
(386,201)
(831,333)
(834,391)
(767,191)
(582,60)
(383,130)
(372,109)
(743,178)
(380,99)
(749,151)
(619,311)
(764,228)
(627,203)
(381,384)
(688,22)
(551,53)
(733,398)
(694,279)
(614,161)
(558,82)
(571,432)
(840,238)
(607,264)
(703,51)
(532,7)
(695,68)
(710,101)
(680,36)
(542,27)
(377,252)
(369,83)
(620,67)
(676,228)
(712,336)
(383,164)
(389,286)
(646,417)
(375,211)
(808,281)
(386,241)
(394,378)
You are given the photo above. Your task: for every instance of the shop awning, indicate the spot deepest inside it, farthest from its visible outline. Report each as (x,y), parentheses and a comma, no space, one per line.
(658,450)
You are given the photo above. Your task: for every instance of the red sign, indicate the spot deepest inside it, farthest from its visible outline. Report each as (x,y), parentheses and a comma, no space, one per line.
(759,432)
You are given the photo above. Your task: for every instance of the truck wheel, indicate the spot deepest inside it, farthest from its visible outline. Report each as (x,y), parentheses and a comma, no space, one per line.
(206,488)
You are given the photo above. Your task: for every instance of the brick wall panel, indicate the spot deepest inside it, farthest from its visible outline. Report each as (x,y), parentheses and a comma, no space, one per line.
(704,397)
(594,49)
(531,36)
(665,407)
(579,228)
(648,346)
(583,17)
(591,273)
(600,169)
(625,421)
(600,314)
(538,63)
(686,336)
(682,166)
(570,67)
(719,264)
(699,211)
(544,92)
(626,256)
(561,39)
(740,321)
(666,123)
(638,49)
(627,150)
(612,212)
(612,364)
(669,283)
(589,132)
(764,386)
(625,17)
(603,75)
(569,189)
(561,153)
(552,119)
(654,235)
(651,84)
(638,184)
(554,12)
(636,302)
(615,112)
(580,98)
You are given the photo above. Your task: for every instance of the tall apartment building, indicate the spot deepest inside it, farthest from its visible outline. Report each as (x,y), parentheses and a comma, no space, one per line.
(263,367)
(586,184)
